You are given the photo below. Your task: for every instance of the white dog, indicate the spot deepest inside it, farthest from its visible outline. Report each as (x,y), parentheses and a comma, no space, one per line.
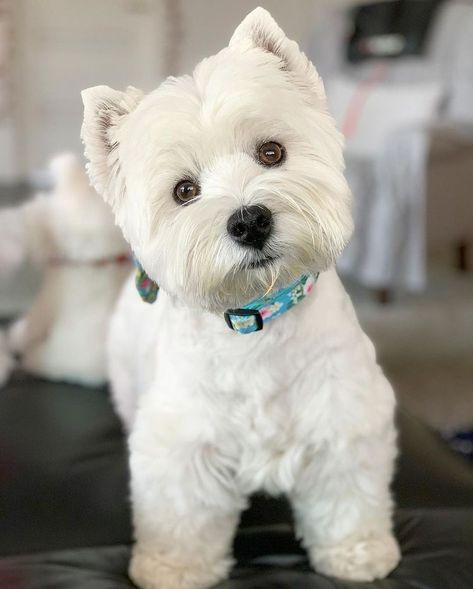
(71,235)
(229,187)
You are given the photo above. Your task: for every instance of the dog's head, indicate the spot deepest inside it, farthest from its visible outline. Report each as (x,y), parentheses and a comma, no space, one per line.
(228,182)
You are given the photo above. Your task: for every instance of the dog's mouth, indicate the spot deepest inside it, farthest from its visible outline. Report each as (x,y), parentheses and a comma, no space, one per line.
(263,262)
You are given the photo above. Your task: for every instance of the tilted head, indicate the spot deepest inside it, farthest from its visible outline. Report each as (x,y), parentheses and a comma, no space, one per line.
(227,182)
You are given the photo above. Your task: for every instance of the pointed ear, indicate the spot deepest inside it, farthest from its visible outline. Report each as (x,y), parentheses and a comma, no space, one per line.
(260,30)
(105,111)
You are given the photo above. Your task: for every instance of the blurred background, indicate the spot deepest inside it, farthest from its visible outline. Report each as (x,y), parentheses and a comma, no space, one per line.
(399,78)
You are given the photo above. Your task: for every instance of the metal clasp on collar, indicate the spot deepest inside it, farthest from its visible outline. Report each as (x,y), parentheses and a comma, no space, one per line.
(244,313)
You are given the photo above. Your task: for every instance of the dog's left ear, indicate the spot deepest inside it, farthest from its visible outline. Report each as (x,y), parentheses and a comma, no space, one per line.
(260,30)
(105,112)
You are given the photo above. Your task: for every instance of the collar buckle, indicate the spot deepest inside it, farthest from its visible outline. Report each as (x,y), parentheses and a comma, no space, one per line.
(245,327)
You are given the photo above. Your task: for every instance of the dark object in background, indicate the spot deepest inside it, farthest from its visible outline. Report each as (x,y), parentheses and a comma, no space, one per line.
(391,29)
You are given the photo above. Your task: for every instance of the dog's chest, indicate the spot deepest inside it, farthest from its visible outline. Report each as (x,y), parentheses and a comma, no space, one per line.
(269,448)
(254,387)
(260,404)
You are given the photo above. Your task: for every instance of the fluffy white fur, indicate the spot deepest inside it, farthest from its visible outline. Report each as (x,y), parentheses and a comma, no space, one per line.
(300,408)
(66,232)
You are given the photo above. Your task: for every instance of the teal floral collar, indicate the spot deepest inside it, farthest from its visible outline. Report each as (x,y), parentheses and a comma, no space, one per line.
(252,316)
(147,288)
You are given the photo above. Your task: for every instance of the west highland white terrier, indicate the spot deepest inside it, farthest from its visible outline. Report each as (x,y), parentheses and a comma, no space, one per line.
(250,372)
(71,236)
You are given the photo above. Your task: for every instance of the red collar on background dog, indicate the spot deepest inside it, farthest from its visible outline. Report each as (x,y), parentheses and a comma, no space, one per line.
(120,259)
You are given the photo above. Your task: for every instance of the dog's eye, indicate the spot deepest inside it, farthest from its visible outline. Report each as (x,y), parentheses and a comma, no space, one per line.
(271,154)
(185,191)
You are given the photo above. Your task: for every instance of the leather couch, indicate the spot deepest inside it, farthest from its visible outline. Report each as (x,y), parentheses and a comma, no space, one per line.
(65,518)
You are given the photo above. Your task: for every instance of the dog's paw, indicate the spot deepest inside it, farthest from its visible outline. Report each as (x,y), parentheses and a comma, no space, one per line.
(151,571)
(362,559)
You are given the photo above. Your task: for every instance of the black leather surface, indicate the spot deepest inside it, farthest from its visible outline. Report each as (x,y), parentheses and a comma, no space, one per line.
(437,554)
(65,520)
(63,468)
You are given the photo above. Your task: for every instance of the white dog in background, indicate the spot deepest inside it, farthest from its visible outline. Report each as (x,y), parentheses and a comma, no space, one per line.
(72,236)
(228,185)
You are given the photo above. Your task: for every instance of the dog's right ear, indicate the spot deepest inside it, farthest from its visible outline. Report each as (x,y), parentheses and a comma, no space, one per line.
(259,30)
(105,111)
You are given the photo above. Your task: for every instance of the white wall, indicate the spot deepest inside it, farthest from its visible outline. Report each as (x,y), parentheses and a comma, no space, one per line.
(64,46)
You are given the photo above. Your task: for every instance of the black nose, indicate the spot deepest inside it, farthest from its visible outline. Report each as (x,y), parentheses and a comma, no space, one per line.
(251,226)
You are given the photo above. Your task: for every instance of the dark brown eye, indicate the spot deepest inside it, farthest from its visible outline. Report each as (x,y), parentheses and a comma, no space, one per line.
(271,154)
(185,191)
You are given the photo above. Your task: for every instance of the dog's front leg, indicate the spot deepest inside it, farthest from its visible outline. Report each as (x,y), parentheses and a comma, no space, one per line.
(185,505)
(343,508)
